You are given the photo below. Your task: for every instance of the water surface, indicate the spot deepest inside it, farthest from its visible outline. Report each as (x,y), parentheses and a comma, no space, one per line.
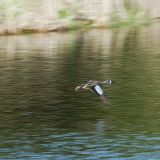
(41,117)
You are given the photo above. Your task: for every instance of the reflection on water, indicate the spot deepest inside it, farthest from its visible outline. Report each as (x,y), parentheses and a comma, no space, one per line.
(42,118)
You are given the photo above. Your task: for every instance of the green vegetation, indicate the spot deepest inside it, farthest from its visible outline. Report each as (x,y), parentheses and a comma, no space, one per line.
(63,13)
(133,20)
(74,25)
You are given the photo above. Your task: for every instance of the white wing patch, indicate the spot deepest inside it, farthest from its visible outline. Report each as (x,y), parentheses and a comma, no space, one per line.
(98,89)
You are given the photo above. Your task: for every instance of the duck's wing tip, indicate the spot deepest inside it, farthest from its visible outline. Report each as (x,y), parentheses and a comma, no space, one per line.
(104,99)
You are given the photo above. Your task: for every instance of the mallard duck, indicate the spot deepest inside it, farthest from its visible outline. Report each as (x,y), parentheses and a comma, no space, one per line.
(94,86)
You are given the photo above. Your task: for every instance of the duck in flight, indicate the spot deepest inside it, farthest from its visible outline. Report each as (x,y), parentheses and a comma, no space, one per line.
(94,86)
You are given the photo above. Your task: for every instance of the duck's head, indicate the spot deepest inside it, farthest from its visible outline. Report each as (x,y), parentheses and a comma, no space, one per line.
(108,82)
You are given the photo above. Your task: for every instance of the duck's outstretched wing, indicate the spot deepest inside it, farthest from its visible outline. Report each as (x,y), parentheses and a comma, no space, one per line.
(98,90)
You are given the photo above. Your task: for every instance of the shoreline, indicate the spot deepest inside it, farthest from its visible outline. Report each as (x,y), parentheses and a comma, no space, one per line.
(78,26)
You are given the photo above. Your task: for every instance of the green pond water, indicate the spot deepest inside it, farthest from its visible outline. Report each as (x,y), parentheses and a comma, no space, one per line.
(41,117)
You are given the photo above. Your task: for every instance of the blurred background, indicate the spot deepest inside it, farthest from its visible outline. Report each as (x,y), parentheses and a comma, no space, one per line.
(25,16)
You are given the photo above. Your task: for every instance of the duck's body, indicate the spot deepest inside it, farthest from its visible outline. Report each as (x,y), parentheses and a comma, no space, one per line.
(94,86)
